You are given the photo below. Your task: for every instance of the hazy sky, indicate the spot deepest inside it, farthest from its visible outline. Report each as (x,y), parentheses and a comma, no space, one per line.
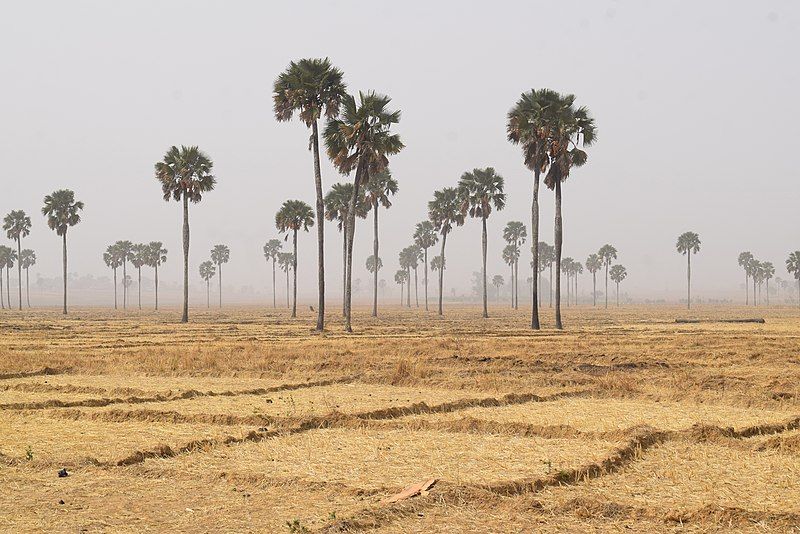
(695,102)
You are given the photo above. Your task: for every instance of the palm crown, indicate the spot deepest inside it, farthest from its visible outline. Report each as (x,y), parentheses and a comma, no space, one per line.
(17,225)
(530,123)
(607,253)
(337,204)
(220,254)
(480,190)
(445,210)
(515,232)
(156,254)
(185,171)
(547,254)
(310,87)
(62,210)
(207,270)
(594,263)
(139,255)
(618,273)
(510,254)
(793,264)
(28,258)
(688,242)
(425,234)
(380,187)
(294,215)
(272,248)
(438,263)
(371,264)
(285,260)
(569,127)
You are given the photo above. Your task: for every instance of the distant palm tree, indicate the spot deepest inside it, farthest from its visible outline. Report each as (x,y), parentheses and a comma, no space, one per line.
(567,266)
(7,257)
(17,225)
(62,211)
(185,174)
(793,267)
(438,264)
(400,278)
(406,258)
(425,237)
(607,254)
(111,258)
(481,191)
(745,261)
(756,273)
(688,244)
(271,250)
(125,250)
(511,258)
(220,255)
(379,187)
(285,262)
(207,271)
(593,264)
(337,204)
(314,89)
(139,254)
(156,255)
(27,259)
(361,140)
(515,233)
(373,266)
(769,272)
(444,212)
(294,215)
(497,282)
(547,255)
(618,274)
(570,128)
(577,269)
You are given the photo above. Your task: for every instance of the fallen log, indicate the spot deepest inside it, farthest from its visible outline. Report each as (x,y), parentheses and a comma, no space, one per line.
(759,320)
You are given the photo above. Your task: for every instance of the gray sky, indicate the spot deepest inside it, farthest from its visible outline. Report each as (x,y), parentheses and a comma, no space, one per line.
(695,104)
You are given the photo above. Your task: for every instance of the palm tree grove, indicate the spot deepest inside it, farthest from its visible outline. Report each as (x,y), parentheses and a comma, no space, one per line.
(397,267)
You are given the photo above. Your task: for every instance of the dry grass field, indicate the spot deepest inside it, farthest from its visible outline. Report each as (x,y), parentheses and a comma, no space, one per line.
(245,420)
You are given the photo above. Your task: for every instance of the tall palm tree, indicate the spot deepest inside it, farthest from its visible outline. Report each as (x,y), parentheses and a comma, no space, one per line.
(593,264)
(285,262)
(314,89)
(379,188)
(156,255)
(207,271)
(531,124)
(62,211)
(17,225)
(425,237)
(515,233)
(769,272)
(294,215)
(220,255)
(745,262)
(337,203)
(374,264)
(125,250)
(497,282)
(139,254)
(688,244)
(361,140)
(572,127)
(618,274)
(607,254)
(185,174)
(444,212)
(511,258)
(416,256)
(793,267)
(400,278)
(481,191)
(271,250)
(113,259)
(27,259)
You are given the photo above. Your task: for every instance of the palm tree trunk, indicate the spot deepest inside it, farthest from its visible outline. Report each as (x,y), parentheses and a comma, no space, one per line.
(401,295)
(576,289)
(767,291)
(594,288)
(220,285)
(8,286)
(512,283)
(689,280)
(19,270)
(344,267)
(569,285)
(28,286)
(320,230)
(115,287)
(294,275)
(483,267)
(416,288)
(755,302)
(617,294)
(350,228)
(185,316)
(746,289)
(65,271)
(287,288)
(2,295)
(156,271)
(426,280)
(535,248)
(558,245)
(408,293)
(274,298)
(139,287)
(125,284)
(606,291)
(208,293)
(551,284)
(441,273)
(375,257)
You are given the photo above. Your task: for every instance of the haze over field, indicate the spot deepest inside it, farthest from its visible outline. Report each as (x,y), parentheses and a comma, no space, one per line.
(695,105)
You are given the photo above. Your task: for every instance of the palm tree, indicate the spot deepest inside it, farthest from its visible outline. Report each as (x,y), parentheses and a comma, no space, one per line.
(607,253)
(593,264)
(62,211)
(271,250)
(125,250)
(688,244)
(156,255)
(314,89)
(400,278)
(769,272)
(745,261)
(547,255)
(27,259)
(285,262)
(444,212)
(337,203)
(361,140)
(425,237)
(757,275)
(185,174)
(293,216)
(111,258)
(497,282)
(220,254)
(379,187)
(570,128)
(17,225)
(567,265)
(406,259)
(618,274)
(511,258)
(481,190)
(531,124)
(4,253)
(7,258)
(207,271)
(793,267)
(374,264)
(138,258)
(437,264)
(515,233)
(577,269)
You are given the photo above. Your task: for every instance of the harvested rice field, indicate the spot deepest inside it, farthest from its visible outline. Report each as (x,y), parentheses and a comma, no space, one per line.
(246,421)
